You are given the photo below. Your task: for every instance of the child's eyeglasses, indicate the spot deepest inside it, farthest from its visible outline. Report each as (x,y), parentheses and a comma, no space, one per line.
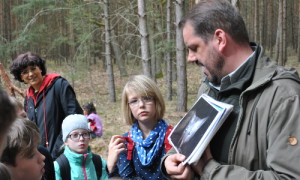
(145,100)
(76,136)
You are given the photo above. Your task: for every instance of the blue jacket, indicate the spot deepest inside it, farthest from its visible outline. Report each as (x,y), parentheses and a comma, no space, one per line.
(81,164)
(55,100)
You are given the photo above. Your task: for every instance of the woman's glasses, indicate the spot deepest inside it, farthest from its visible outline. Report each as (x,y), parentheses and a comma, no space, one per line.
(26,71)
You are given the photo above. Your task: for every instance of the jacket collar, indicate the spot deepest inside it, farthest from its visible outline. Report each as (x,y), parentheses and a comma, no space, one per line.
(78,158)
(48,78)
(242,77)
(267,70)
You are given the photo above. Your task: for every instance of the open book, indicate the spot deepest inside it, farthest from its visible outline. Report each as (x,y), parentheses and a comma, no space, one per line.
(195,130)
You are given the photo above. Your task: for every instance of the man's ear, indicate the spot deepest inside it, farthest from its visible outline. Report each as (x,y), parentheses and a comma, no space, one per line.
(220,39)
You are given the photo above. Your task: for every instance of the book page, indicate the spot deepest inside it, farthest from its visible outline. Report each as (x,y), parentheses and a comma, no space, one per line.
(194,131)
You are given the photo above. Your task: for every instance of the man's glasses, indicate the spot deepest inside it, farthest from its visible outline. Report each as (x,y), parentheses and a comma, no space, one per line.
(145,100)
(76,136)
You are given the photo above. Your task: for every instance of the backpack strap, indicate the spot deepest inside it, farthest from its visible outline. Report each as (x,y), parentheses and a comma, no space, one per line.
(130,145)
(166,141)
(64,167)
(98,164)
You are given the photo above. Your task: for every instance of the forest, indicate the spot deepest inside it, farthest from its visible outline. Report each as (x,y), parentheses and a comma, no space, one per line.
(97,44)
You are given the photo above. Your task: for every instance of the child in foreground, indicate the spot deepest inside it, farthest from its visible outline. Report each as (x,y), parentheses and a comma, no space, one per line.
(49,167)
(21,155)
(83,164)
(143,108)
(8,114)
(4,173)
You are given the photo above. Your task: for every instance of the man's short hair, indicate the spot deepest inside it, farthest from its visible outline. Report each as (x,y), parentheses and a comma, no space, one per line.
(208,16)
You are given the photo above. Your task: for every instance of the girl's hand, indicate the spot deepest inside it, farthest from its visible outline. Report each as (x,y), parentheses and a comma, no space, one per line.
(115,147)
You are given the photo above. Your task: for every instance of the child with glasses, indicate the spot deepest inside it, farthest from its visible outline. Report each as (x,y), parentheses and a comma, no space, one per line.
(146,143)
(83,164)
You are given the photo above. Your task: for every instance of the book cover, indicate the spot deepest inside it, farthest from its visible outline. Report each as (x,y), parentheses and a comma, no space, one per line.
(194,131)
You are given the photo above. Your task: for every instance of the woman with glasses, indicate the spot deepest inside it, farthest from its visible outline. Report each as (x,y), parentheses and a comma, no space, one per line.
(77,153)
(146,143)
(49,98)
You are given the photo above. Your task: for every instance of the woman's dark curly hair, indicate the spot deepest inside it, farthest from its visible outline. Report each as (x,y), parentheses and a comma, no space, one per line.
(25,60)
(89,107)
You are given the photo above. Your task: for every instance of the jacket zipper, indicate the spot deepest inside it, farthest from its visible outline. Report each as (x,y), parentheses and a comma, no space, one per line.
(83,167)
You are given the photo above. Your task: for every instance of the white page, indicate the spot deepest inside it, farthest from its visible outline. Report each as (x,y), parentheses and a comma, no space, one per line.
(195,130)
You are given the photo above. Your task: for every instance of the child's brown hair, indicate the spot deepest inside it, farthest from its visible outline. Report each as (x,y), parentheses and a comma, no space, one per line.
(22,138)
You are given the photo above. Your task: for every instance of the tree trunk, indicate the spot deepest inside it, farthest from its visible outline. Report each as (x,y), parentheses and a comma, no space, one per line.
(1,18)
(144,38)
(262,22)
(278,50)
(256,21)
(71,53)
(252,23)
(181,105)
(2,38)
(118,54)
(152,54)
(298,32)
(270,27)
(284,54)
(168,53)
(159,28)
(109,66)
(6,28)
(63,32)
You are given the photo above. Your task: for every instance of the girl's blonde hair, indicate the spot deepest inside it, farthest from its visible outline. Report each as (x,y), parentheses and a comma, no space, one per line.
(142,86)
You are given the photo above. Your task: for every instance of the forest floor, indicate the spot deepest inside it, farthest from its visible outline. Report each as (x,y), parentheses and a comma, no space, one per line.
(91,84)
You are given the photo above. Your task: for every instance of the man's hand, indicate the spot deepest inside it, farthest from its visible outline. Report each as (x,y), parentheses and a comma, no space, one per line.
(198,168)
(175,169)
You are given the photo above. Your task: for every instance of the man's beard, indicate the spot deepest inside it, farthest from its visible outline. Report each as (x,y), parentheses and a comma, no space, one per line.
(216,67)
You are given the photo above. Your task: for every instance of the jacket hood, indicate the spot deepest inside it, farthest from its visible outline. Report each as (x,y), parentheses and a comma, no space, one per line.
(267,70)
(48,79)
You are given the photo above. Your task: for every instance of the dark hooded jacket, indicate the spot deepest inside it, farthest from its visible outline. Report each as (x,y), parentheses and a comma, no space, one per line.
(49,106)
